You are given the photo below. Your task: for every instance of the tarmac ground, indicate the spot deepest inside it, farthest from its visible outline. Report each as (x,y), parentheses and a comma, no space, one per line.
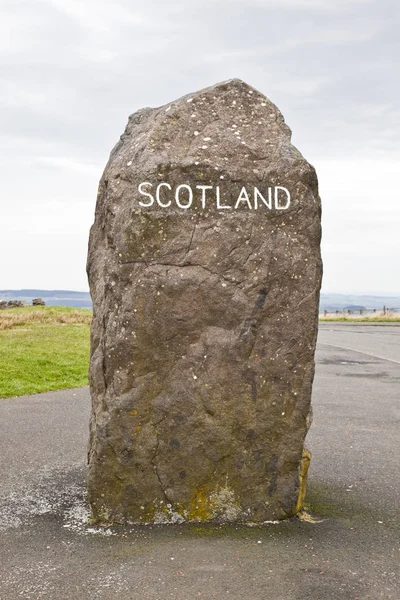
(349,549)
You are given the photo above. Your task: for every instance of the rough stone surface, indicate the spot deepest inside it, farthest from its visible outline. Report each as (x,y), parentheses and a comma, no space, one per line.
(205,318)
(4,304)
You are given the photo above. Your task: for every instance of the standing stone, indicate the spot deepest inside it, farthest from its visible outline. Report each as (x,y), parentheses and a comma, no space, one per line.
(204,268)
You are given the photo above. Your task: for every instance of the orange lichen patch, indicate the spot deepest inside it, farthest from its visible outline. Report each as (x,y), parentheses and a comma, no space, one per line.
(214,503)
(133,413)
(201,507)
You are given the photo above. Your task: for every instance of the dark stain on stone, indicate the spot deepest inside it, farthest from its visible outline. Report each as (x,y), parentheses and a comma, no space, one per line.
(239,463)
(175,444)
(272,484)
(258,454)
(248,329)
(251,378)
(261,298)
(132,492)
(270,467)
(182,475)
(179,420)
(271,470)
(127,455)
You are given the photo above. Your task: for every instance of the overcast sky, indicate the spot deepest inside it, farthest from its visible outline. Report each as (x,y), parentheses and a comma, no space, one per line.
(73,70)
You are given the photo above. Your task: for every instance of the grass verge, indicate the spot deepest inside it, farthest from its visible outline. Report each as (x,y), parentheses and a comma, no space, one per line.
(43,349)
(47,348)
(371,318)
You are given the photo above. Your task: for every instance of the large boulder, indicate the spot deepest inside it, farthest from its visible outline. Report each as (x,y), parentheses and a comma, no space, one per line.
(204,268)
(4,304)
(38,302)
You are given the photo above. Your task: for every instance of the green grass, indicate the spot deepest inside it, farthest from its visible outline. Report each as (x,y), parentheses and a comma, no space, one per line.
(43,349)
(378,317)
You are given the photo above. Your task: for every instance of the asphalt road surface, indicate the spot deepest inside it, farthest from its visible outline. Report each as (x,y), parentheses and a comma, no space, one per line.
(351,550)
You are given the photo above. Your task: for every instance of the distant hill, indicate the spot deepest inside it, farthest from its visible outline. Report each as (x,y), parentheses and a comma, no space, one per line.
(332,302)
(329,302)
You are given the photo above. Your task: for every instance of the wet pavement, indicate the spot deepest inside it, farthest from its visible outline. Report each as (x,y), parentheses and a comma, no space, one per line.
(349,550)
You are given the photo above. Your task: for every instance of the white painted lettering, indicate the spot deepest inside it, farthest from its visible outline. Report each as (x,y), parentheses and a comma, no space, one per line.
(243,197)
(145,193)
(258,194)
(160,185)
(203,189)
(219,205)
(203,197)
(190,199)
(278,206)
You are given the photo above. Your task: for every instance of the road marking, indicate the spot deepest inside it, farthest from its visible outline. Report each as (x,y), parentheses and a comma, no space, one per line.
(397,362)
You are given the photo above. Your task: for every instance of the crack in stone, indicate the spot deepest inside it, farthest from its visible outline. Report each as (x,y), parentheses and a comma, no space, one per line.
(208,271)
(140,261)
(182,266)
(192,236)
(223,458)
(158,422)
(153,462)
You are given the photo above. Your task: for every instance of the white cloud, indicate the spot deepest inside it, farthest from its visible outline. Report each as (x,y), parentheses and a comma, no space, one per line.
(329,36)
(98,15)
(73,70)
(68,164)
(361,220)
(14,95)
(324,6)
